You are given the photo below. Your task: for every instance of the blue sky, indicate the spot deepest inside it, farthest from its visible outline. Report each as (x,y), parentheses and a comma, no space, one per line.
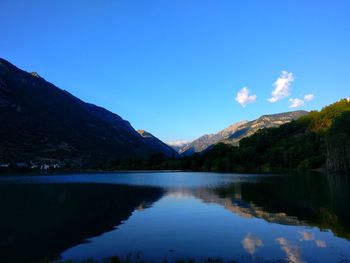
(174,68)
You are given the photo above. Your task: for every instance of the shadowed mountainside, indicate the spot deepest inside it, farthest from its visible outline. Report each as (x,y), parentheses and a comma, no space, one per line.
(44,124)
(158,144)
(46,219)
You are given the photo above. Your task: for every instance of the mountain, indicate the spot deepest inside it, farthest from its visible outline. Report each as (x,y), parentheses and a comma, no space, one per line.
(319,140)
(41,123)
(158,144)
(234,133)
(265,121)
(178,145)
(205,141)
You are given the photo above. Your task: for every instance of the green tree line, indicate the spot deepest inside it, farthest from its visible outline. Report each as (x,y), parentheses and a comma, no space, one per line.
(319,140)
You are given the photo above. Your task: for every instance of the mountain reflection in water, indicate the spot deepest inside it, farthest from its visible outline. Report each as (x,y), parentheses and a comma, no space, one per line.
(42,220)
(299,218)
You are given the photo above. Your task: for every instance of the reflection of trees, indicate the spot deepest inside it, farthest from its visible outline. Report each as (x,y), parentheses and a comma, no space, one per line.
(313,199)
(236,204)
(37,219)
(306,199)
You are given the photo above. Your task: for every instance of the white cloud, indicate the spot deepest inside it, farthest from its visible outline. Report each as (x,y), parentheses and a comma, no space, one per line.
(321,243)
(251,243)
(309,97)
(306,236)
(309,236)
(282,87)
(243,97)
(296,103)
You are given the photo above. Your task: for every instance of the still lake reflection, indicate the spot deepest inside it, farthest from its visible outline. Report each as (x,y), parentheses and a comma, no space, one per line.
(178,215)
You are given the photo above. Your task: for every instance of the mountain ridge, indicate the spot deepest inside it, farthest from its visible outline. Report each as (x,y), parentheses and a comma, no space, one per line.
(43,123)
(265,121)
(203,142)
(318,141)
(237,131)
(151,139)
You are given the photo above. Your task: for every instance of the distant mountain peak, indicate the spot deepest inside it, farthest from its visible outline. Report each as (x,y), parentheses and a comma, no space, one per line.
(35,74)
(145,134)
(205,141)
(151,139)
(235,132)
(178,145)
(5,62)
(232,128)
(284,114)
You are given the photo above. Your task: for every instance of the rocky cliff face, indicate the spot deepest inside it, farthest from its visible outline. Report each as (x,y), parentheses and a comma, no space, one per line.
(205,141)
(265,121)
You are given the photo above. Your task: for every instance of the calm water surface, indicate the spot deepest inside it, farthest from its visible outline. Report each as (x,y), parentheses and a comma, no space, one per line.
(179,215)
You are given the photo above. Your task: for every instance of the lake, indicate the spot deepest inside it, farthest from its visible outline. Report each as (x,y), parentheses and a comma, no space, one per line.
(160,216)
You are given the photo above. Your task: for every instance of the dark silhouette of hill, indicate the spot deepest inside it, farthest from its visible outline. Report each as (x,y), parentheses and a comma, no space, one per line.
(42,123)
(43,220)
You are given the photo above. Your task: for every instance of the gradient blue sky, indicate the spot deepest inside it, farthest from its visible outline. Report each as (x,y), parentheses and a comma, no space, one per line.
(174,67)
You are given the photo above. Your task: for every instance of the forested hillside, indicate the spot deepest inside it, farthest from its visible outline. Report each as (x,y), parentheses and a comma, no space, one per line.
(318,140)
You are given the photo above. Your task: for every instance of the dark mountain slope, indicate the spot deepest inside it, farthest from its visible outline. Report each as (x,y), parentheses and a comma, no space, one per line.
(71,213)
(40,122)
(158,144)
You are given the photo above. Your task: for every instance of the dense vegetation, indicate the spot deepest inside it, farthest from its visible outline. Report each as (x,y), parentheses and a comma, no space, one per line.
(319,140)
